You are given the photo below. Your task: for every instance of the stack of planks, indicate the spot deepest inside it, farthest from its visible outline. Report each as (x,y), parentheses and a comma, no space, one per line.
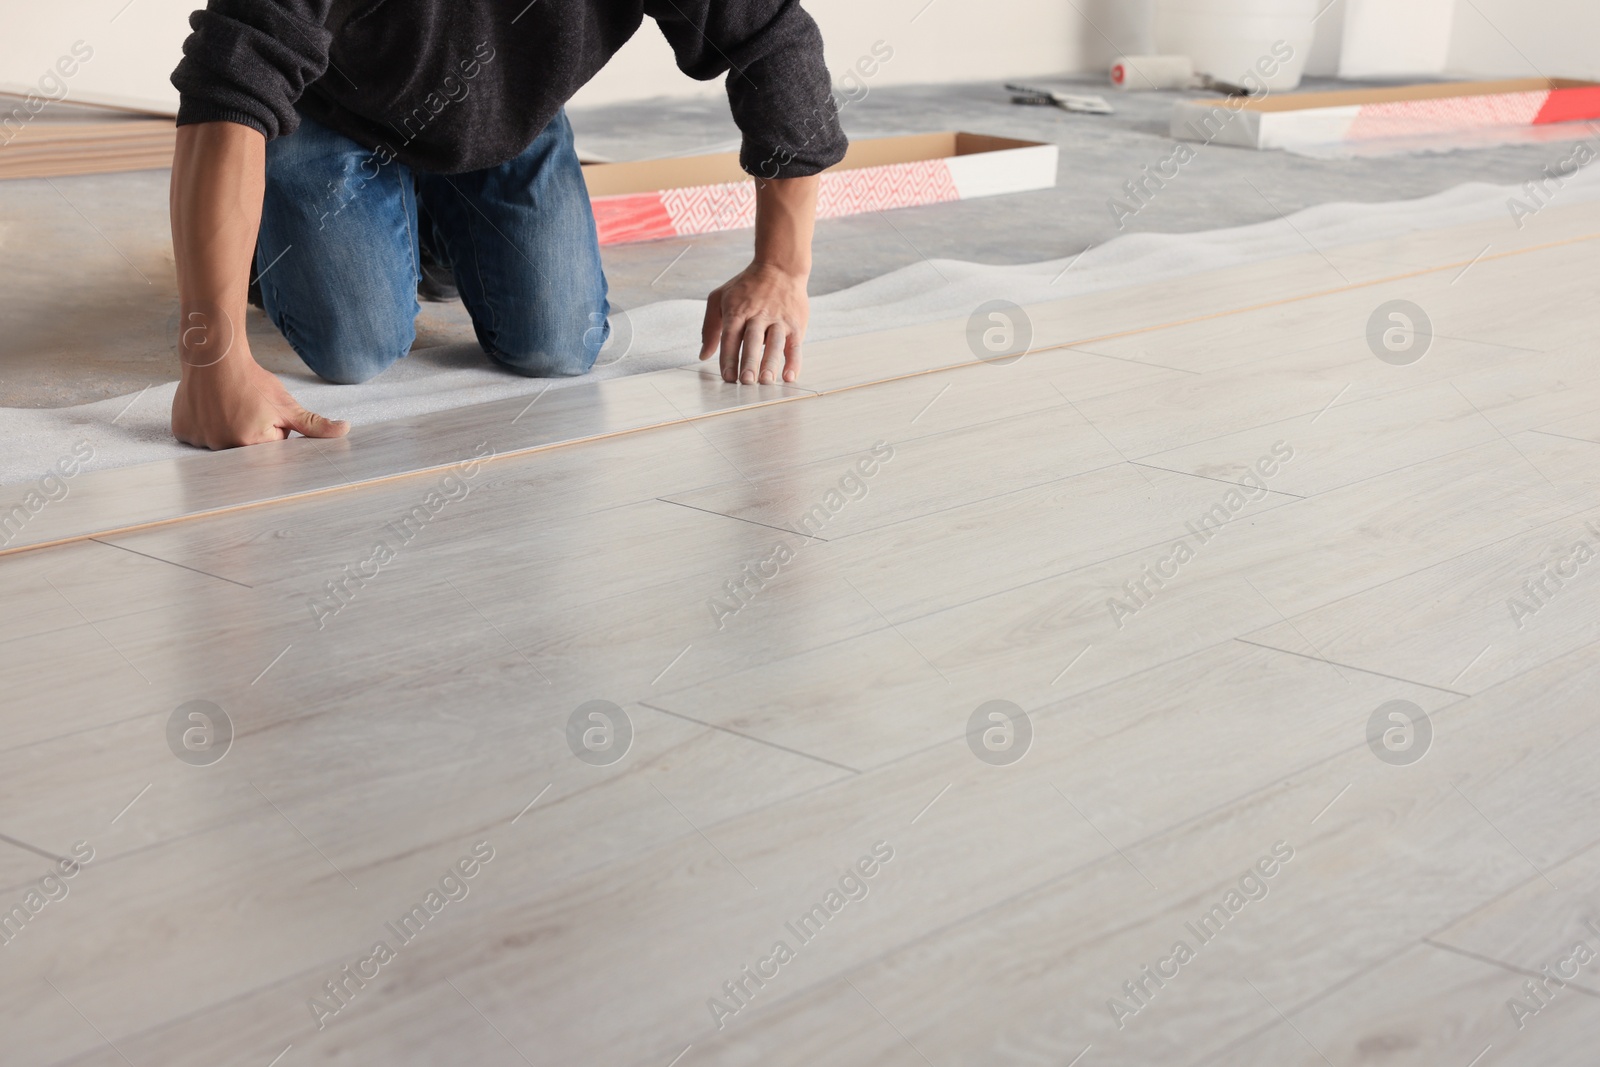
(48,146)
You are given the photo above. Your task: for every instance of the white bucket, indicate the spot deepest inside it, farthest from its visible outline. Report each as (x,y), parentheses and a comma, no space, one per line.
(1266,41)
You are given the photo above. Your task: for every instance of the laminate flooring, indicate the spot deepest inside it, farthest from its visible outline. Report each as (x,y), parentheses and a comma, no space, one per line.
(1212,685)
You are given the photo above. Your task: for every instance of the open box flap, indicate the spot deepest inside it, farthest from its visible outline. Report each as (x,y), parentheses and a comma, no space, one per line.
(620,179)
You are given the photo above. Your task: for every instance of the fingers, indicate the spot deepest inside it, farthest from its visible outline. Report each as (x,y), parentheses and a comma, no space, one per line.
(755,323)
(759,350)
(732,339)
(711,328)
(754,339)
(310,424)
(772,362)
(791,353)
(291,417)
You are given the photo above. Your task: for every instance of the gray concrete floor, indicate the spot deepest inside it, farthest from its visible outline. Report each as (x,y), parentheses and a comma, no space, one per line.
(89,303)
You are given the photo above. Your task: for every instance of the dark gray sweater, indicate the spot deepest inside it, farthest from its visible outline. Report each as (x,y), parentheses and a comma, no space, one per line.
(456,85)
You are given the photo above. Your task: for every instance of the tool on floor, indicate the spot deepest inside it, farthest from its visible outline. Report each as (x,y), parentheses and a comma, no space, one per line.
(1143,73)
(1217,85)
(1133,73)
(1089,105)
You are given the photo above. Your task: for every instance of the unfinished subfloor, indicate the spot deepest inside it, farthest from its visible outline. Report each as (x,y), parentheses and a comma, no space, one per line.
(1339,746)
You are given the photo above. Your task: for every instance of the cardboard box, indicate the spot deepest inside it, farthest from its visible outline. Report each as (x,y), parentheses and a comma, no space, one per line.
(704,194)
(1289,120)
(638,201)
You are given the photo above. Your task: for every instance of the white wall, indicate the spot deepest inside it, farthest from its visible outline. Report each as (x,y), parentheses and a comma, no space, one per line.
(1328,42)
(945,40)
(136,45)
(1527,38)
(1467,38)
(1395,37)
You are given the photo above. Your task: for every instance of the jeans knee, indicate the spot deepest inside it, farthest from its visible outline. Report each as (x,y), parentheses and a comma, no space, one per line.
(344,372)
(348,357)
(547,362)
(551,351)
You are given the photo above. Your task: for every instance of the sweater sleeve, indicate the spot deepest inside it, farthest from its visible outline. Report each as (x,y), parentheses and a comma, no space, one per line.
(778,84)
(248,61)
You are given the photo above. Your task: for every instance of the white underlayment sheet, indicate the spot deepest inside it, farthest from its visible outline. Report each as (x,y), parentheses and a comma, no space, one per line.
(134,428)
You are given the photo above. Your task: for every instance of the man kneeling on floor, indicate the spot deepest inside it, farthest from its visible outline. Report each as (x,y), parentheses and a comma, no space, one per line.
(319,133)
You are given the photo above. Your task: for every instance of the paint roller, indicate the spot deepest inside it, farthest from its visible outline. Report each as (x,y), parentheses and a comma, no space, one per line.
(1142,73)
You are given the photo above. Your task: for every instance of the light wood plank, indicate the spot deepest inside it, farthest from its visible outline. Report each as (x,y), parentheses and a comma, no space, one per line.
(207,483)
(1468,620)
(1033,976)
(832,712)
(1425,1007)
(971,464)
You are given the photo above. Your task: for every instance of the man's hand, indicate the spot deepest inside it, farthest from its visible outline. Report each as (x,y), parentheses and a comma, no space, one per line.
(758,320)
(224,398)
(235,402)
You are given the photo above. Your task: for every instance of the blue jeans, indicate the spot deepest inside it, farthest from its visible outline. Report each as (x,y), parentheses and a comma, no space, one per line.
(338,254)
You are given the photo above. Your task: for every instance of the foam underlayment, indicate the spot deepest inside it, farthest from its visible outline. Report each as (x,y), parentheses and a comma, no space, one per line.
(134,429)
